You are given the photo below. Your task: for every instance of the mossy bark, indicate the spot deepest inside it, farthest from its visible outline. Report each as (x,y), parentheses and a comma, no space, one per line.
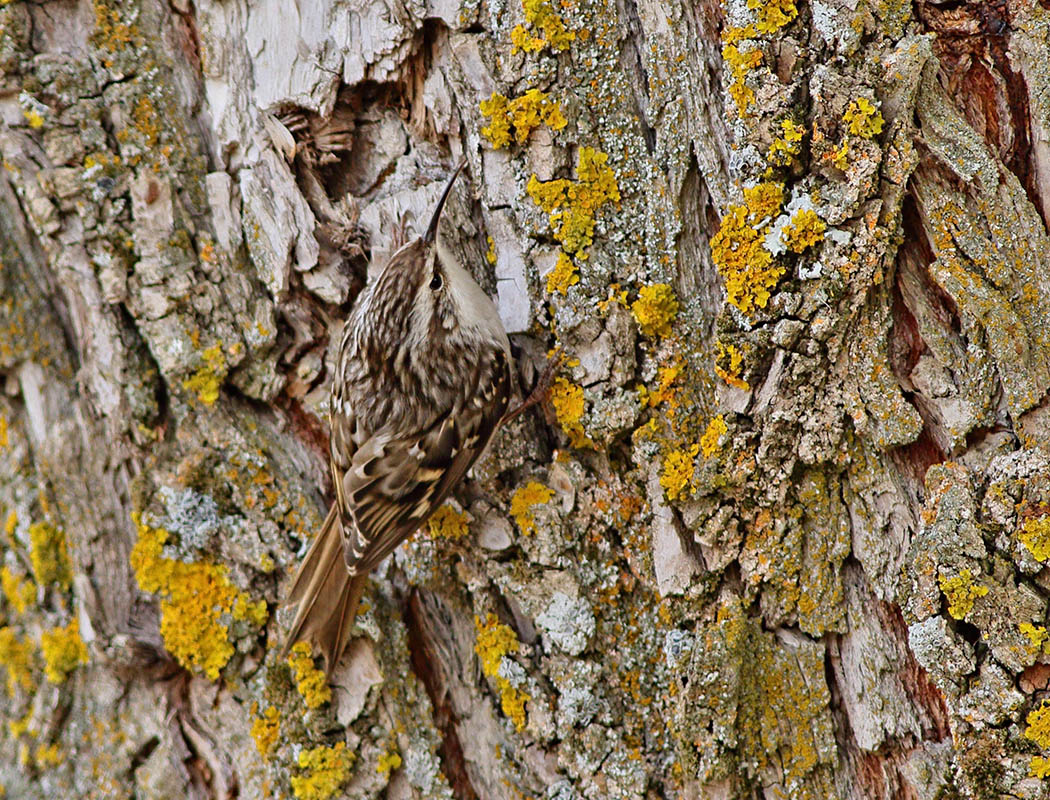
(779,530)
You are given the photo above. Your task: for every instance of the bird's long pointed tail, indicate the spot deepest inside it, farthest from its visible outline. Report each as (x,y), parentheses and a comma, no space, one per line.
(326,596)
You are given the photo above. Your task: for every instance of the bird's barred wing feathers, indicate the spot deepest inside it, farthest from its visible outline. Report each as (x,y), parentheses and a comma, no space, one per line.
(394,484)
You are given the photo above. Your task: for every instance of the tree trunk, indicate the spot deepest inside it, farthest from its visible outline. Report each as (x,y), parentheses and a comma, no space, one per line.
(779,529)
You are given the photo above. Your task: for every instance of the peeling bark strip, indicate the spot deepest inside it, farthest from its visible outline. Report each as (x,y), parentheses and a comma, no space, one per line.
(782,531)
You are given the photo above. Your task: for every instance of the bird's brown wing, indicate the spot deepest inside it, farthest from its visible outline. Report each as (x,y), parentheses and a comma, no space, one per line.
(393,484)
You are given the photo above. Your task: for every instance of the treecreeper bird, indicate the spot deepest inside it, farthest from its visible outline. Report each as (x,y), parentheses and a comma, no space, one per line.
(422,379)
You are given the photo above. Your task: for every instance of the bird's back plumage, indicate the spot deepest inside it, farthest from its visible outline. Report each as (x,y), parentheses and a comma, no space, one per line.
(423,378)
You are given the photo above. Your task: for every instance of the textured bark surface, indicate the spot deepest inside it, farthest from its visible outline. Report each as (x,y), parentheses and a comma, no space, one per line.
(780,530)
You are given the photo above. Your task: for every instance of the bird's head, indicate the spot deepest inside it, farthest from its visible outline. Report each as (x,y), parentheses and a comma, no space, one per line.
(425,299)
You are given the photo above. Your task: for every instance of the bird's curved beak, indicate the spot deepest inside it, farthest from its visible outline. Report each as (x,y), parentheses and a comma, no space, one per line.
(429,236)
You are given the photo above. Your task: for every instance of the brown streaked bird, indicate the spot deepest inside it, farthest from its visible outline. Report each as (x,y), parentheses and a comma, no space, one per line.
(423,377)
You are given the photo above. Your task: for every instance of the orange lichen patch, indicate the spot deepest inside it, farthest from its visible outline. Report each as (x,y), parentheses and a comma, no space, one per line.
(146,121)
(521,504)
(494,642)
(562,276)
(655,309)
(863,118)
(678,470)
(311,682)
(1035,535)
(447,523)
(716,429)
(111,33)
(730,373)
(16,656)
(522,115)
(567,400)
(541,17)
(739,252)
(208,378)
(617,295)
(19,591)
(63,651)
(805,230)
(573,204)
(265,729)
(962,592)
(664,391)
(327,769)
(194,598)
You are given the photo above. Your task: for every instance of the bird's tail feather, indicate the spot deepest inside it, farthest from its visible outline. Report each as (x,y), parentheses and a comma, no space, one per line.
(326,596)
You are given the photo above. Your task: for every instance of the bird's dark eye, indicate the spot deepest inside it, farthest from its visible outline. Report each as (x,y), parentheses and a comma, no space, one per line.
(435,282)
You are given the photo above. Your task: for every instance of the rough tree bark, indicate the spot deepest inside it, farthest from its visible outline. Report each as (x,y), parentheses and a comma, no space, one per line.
(780,530)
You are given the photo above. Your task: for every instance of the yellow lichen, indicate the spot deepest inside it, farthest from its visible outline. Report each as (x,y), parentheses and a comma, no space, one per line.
(664,391)
(1039,767)
(193,599)
(265,730)
(786,147)
(573,204)
(961,592)
(562,276)
(839,157)
(739,251)
(311,682)
(541,16)
(326,770)
(16,655)
(34,118)
(655,309)
(388,761)
(1038,638)
(49,555)
(208,378)
(763,202)
(447,523)
(63,651)
(522,115)
(48,755)
(567,400)
(490,254)
(20,592)
(11,523)
(111,33)
(529,495)
(740,62)
(731,372)
(804,230)
(1038,729)
(1035,535)
(494,642)
(864,118)
(716,429)
(773,14)
(677,472)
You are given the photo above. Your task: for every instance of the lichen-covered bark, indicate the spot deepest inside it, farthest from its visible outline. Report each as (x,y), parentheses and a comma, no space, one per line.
(779,529)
